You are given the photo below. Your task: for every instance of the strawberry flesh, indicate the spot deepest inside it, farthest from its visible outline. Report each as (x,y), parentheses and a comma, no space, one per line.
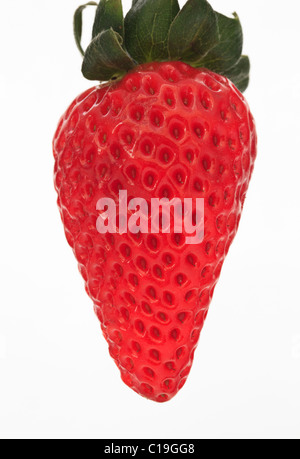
(164,130)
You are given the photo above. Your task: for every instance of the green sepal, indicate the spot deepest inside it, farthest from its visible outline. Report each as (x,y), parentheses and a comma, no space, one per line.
(239,73)
(105,59)
(157,30)
(77,24)
(193,32)
(147,26)
(109,14)
(228,50)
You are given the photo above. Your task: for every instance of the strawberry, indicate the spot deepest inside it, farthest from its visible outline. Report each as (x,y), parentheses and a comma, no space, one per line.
(172,123)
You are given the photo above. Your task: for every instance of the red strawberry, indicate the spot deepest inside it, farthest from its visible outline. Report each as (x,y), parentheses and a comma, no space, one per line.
(163,130)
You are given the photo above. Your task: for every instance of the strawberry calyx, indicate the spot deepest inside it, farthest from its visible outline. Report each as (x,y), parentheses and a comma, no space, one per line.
(158,30)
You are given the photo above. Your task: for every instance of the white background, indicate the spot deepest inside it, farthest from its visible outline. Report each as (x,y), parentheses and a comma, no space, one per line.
(56,377)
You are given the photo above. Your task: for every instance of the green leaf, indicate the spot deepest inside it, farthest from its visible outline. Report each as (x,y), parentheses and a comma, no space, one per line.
(146,29)
(105,58)
(239,74)
(109,14)
(228,51)
(77,24)
(194,32)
